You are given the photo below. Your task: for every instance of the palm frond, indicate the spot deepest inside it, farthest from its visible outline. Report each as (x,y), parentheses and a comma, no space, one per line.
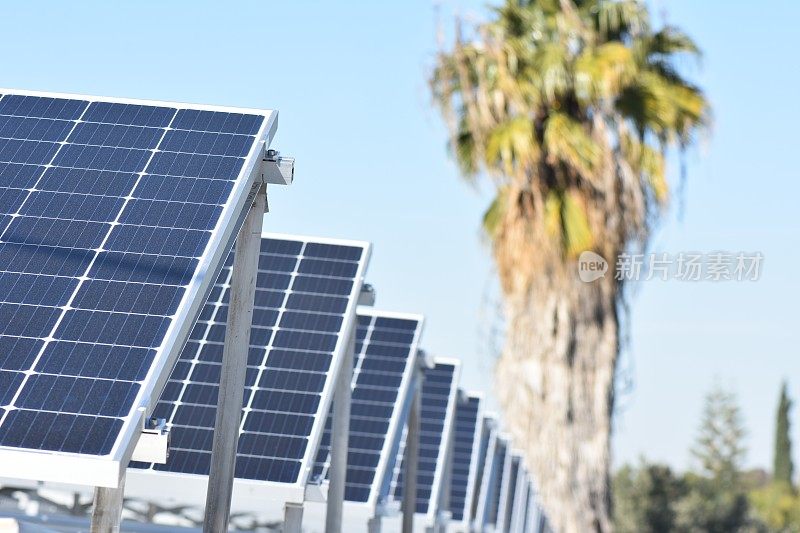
(511,144)
(464,151)
(602,71)
(550,63)
(567,141)
(617,17)
(577,232)
(653,169)
(493,216)
(670,40)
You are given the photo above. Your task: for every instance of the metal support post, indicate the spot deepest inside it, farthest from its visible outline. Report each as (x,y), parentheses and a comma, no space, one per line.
(443,505)
(486,491)
(411,459)
(234,365)
(107,511)
(374,525)
(505,489)
(293,517)
(520,497)
(340,435)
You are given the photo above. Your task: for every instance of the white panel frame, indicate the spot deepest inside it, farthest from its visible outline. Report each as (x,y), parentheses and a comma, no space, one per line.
(105,470)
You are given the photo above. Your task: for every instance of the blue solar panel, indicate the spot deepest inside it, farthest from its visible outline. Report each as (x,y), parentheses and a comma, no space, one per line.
(519,515)
(106,246)
(526,502)
(436,414)
(465,440)
(492,477)
(306,292)
(480,464)
(508,494)
(535,520)
(386,347)
(496,481)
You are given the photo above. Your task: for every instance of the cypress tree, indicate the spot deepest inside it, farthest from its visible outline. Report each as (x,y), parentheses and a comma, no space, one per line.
(783,469)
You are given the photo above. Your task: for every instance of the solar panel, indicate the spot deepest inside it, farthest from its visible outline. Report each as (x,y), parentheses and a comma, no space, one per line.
(306,295)
(492,480)
(527,506)
(437,410)
(518,517)
(115,217)
(502,462)
(386,352)
(508,493)
(466,443)
(487,425)
(536,520)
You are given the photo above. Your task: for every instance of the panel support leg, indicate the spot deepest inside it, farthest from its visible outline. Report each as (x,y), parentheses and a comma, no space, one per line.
(234,364)
(443,513)
(293,517)
(107,511)
(340,435)
(409,504)
(374,525)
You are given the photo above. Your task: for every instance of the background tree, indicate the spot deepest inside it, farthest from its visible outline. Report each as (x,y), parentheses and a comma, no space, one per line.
(645,498)
(719,447)
(777,506)
(569,107)
(783,468)
(777,503)
(717,500)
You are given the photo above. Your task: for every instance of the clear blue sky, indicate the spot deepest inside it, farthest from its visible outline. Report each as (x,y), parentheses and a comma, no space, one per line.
(349,82)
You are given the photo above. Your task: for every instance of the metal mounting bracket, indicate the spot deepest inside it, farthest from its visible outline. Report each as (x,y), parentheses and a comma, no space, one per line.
(425,360)
(316,492)
(277,169)
(153,445)
(389,509)
(367,295)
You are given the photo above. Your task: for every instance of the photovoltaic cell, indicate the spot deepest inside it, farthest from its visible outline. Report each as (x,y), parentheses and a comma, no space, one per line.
(105,241)
(386,347)
(306,292)
(437,406)
(465,440)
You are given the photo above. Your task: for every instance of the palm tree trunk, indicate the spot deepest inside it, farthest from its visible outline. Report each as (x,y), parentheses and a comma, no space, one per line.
(555,383)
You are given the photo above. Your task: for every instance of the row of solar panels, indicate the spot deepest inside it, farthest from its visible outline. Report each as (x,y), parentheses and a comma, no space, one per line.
(466,471)
(116,223)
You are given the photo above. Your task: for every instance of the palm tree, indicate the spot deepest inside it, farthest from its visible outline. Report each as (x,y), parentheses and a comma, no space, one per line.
(568,107)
